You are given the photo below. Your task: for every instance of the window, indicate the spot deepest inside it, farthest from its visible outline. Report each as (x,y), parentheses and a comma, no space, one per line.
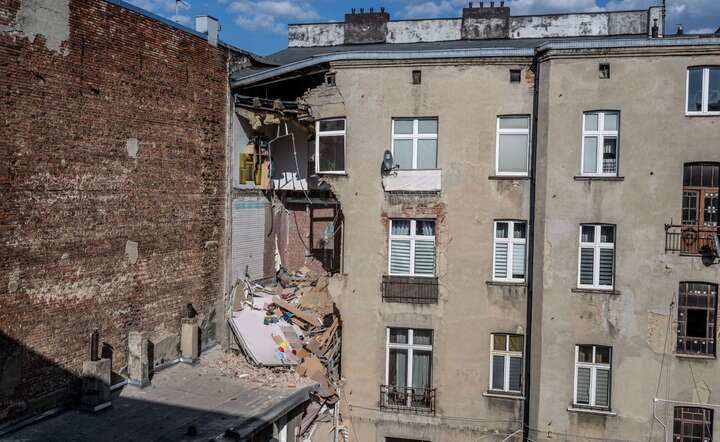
(592,376)
(408,373)
(509,251)
(513,141)
(415,143)
(692,424)
(506,363)
(604,71)
(596,266)
(600,143)
(330,146)
(515,75)
(697,315)
(703,90)
(700,206)
(412,247)
(416,77)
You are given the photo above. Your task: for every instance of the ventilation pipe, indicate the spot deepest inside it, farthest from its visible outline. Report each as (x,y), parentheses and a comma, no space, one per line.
(208,25)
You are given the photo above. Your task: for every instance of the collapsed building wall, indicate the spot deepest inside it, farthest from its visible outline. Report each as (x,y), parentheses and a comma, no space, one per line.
(113,188)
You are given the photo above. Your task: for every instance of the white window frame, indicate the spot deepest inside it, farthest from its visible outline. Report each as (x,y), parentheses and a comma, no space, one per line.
(593,366)
(510,241)
(415,136)
(705,91)
(507,354)
(410,347)
(412,237)
(499,132)
(596,245)
(600,134)
(319,133)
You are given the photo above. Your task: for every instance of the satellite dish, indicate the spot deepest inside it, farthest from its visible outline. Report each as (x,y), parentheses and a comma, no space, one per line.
(387,164)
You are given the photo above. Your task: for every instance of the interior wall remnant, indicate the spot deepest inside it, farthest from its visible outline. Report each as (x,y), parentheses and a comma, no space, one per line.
(48,18)
(323,101)
(248,238)
(313,237)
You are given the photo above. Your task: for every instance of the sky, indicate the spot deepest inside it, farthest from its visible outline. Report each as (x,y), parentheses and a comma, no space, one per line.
(260,26)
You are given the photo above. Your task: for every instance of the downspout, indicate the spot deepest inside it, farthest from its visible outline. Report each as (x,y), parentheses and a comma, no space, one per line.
(531,249)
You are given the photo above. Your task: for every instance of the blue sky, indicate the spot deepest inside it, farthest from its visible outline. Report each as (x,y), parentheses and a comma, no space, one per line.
(260,26)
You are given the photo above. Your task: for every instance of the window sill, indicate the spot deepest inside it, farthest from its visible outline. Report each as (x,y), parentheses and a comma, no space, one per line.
(595,291)
(509,177)
(695,356)
(591,411)
(503,395)
(330,173)
(702,114)
(506,283)
(598,178)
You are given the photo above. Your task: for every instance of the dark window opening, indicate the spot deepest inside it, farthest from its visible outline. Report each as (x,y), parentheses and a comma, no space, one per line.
(514,75)
(692,424)
(330,78)
(697,313)
(416,77)
(604,71)
(696,323)
(700,207)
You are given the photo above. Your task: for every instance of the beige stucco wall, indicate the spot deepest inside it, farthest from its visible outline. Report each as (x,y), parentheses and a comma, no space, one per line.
(466,99)
(656,138)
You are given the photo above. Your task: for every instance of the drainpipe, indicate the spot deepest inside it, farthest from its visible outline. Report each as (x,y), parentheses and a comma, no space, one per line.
(531,249)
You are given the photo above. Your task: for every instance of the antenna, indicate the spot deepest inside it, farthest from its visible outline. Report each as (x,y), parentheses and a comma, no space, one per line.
(178,3)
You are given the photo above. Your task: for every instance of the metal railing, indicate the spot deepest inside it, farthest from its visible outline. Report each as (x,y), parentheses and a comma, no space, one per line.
(408,289)
(695,346)
(413,399)
(690,240)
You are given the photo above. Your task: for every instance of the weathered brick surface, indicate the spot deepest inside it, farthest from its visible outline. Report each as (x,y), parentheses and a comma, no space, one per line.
(72,196)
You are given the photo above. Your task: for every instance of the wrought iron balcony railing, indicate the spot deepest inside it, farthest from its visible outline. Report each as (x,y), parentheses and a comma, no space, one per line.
(412,290)
(414,399)
(691,240)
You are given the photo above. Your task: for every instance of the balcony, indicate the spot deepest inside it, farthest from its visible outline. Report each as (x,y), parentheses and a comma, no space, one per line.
(410,290)
(691,240)
(413,180)
(413,399)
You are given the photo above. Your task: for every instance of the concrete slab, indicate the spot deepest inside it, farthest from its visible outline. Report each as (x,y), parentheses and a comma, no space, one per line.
(178,397)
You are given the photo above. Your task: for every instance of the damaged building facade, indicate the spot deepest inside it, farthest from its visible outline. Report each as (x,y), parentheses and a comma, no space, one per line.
(529,218)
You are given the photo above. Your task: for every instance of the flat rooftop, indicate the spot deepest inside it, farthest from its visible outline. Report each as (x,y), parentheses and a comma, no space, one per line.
(203,395)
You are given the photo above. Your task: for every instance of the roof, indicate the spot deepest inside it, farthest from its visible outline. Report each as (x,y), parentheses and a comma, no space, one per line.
(295,58)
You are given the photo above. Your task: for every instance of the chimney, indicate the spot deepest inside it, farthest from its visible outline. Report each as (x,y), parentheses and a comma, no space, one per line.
(206,24)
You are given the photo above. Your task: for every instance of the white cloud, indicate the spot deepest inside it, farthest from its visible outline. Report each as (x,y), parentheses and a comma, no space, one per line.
(271,16)
(166,8)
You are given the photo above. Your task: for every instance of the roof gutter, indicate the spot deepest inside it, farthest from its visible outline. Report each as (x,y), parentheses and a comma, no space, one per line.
(470,53)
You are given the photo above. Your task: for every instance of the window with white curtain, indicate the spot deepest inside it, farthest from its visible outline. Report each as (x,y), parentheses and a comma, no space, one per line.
(330,145)
(412,247)
(703,90)
(415,142)
(509,251)
(596,256)
(409,357)
(512,156)
(592,376)
(600,143)
(506,362)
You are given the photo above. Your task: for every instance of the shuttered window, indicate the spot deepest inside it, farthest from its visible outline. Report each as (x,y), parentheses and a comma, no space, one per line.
(596,256)
(506,361)
(509,251)
(412,247)
(592,376)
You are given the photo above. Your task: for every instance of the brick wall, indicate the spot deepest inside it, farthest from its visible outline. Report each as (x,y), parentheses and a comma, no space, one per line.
(73,195)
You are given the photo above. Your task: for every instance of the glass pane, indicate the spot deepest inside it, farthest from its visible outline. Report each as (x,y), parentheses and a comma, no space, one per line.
(585,353)
(513,153)
(401,227)
(714,90)
(427,154)
(403,127)
(514,122)
(501,230)
(694,101)
(609,155)
(328,125)
(587,260)
(332,153)
(422,337)
(424,257)
(607,234)
(518,261)
(519,230)
(425,228)
(427,126)
(591,122)
(605,276)
(590,155)
(397,367)
(399,335)
(500,342)
(400,256)
(611,121)
(516,343)
(498,373)
(403,153)
(515,374)
(602,388)
(588,233)
(602,355)
(501,260)
(583,385)
(422,365)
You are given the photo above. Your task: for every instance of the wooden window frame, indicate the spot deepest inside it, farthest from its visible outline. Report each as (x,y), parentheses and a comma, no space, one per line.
(600,134)
(593,366)
(711,307)
(506,353)
(510,241)
(706,421)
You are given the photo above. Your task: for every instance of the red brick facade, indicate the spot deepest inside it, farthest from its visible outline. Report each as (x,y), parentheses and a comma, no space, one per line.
(73,194)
